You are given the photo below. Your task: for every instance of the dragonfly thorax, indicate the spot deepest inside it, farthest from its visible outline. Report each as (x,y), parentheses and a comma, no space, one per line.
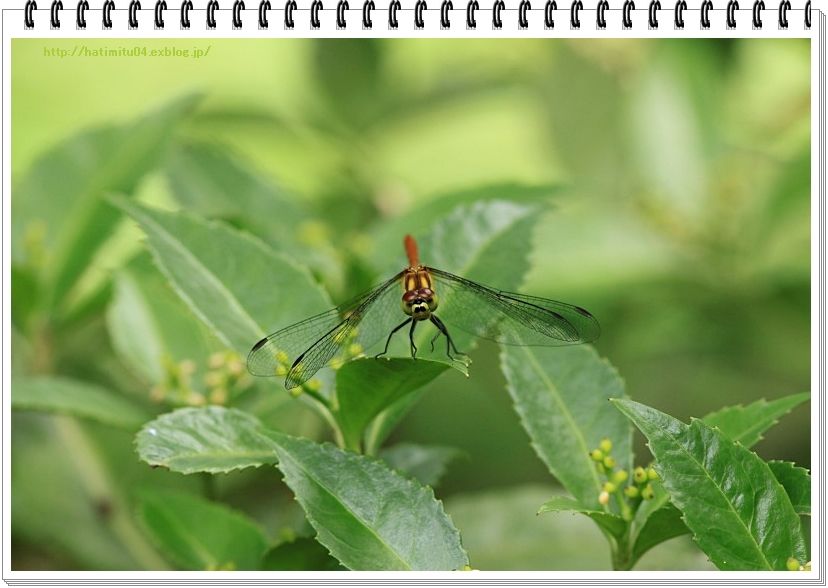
(419,303)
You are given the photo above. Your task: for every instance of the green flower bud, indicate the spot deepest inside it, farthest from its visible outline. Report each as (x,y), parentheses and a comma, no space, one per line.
(596,455)
(652,474)
(609,462)
(196,399)
(792,564)
(313,385)
(214,378)
(605,445)
(609,487)
(620,476)
(647,493)
(639,475)
(218,396)
(631,491)
(235,367)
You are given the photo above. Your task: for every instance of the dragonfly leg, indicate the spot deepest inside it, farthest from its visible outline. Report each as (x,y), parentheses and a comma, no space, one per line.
(449,341)
(436,336)
(411,339)
(391,334)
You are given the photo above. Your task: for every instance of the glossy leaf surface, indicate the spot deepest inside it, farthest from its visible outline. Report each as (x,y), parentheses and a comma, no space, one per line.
(365,387)
(211,439)
(367,515)
(740,516)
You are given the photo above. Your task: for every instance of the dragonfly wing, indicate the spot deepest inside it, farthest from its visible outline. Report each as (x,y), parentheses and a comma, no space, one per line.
(511,318)
(273,355)
(300,350)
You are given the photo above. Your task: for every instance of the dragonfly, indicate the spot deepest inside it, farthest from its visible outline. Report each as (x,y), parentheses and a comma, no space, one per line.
(408,299)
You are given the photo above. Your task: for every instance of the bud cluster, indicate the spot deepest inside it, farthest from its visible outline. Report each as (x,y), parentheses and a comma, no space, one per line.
(226,376)
(628,492)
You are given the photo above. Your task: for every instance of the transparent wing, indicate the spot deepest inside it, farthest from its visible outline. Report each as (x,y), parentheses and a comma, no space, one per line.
(300,350)
(510,318)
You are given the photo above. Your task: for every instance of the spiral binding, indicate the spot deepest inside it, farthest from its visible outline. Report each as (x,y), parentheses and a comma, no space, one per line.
(652,14)
(626,14)
(132,15)
(548,14)
(678,13)
(498,8)
(574,20)
(108,7)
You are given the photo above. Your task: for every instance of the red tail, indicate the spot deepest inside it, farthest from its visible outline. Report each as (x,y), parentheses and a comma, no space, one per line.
(411,251)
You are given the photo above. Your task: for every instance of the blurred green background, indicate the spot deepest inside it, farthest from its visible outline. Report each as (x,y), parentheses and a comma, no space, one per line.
(679,172)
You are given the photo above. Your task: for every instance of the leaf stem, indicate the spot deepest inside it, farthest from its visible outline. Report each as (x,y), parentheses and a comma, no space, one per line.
(621,553)
(324,408)
(626,513)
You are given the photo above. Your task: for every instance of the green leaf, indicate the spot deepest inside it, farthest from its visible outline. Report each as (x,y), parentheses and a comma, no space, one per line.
(197,534)
(368,516)
(365,387)
(237,285)
(611,523)
(76,398)
(426,463)
(739,514)
(302,554)
(659,526)
(387,236)
(797,483)
(149,324)
(561,396)
(60,217)
(746,424)
(210,439)
(210,181)
(485,241)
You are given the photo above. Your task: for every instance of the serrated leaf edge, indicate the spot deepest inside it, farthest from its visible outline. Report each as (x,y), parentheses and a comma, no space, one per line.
(190,471)
(522,413)
(727,500)
(763,402)
(421,488)
(127,206)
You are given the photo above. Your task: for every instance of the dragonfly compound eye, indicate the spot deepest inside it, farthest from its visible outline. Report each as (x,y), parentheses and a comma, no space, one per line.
(432,302)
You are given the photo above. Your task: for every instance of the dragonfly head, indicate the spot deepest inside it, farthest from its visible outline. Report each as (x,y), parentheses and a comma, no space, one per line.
(419,303)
